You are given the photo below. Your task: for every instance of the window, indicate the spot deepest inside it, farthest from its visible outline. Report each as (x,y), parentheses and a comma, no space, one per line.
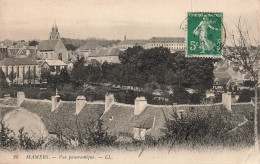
(58,69)
(60,56)
(17,71)
(52,69)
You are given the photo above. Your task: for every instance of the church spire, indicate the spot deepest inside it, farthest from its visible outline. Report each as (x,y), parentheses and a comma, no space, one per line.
(54,34)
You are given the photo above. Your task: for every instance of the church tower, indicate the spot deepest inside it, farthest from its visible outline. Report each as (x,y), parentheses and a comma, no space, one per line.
(54,34)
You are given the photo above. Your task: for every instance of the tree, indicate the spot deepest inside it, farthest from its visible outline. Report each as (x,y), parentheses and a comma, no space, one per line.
(246,95)
(3,82)
(245,51)
(79,72)
(12,76)
(180,95)
(64,76)
(33,43)
(45,74)
(99,136)
(71,47)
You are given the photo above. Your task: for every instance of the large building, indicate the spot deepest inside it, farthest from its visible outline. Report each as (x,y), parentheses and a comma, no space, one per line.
(21,70)
(53,49)
(172,43)
(88,48)
(110,55)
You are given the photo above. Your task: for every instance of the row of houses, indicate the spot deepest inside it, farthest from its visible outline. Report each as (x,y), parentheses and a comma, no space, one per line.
(126,121)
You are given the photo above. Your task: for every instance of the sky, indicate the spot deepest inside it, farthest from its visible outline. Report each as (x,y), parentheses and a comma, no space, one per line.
(112,19)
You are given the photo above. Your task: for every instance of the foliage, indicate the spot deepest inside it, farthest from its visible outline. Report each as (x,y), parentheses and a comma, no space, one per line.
(142,66)
(249,83)
(27,143)
(71,47)
(180,95)
(207,127)
(98,136)
(11,77)
(64,76)
(3,82)
(246,95)
(9,141)
(33,43)
(79,72)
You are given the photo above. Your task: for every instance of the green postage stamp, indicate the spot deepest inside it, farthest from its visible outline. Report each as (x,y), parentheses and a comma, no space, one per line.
(204,34)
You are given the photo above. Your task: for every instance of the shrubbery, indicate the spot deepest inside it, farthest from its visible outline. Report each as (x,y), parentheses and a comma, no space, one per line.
(9,141)
(208,128)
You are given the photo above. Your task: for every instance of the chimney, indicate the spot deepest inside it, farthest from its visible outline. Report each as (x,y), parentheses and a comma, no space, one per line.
(140,104)
(80,103)
(226,100)
(55,101)
(109,100)
(20,98)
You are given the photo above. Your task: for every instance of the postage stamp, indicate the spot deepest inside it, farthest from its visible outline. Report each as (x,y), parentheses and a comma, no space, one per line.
(204,34)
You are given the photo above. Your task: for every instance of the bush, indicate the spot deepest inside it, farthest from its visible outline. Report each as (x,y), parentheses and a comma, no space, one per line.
(27,143)
(246,95)
(98,136)
(207,127)
(8,140)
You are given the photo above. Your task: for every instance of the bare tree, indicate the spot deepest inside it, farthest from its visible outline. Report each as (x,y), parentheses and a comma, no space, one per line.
(245,51)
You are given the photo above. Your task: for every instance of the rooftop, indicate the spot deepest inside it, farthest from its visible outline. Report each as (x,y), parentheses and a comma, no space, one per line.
(105,52)
(167,39)
(18,61)
(90,46)
(46,45)
(55,63)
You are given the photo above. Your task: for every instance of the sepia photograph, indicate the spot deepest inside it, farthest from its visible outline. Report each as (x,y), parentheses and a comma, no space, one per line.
(130,81)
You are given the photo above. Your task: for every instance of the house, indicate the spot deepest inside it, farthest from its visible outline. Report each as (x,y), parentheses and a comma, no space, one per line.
(139,121)
(110,55)
(222,79)
(88,48)
(21,70)
(54,66)
(130,43)
(53,49)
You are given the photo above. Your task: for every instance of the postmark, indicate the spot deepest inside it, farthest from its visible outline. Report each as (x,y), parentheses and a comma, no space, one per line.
(204,34)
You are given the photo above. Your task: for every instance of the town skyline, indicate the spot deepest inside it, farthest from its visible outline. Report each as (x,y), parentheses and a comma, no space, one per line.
(112,20)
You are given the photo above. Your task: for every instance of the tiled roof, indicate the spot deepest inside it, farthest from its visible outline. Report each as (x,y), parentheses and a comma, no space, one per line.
(55,63)
(105,52)
(90,46)
(42,108)
(47,45)
(63,118)
(118,118)
(167,40)
(18,61)
(5,109)
(221,75)
(10,101)
(133,42)
(153,117)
